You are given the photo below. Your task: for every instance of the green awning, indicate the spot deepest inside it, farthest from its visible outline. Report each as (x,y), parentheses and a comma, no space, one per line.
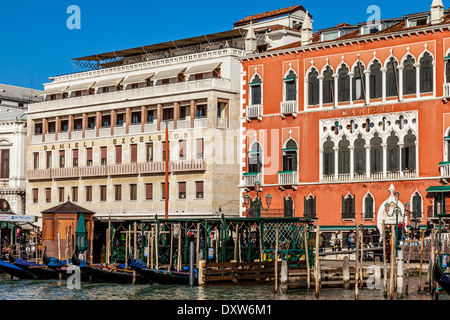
(444,163)
(289,79)
(290,149)
(446,138)
(287,171)
(438,189)
(250,174)
(254,83)
(447,58)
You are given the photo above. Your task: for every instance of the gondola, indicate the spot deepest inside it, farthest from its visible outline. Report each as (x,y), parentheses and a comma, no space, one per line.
(440,277)
(106,274)
(15,271)
(161,276)
(40,271)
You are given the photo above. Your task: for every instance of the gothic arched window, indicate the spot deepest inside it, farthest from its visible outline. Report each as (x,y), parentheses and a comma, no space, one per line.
(255,158)
(409,76)
(328,158)
(359,91)
(313,88)
(255,90)
(426,73)
(343,84)
(328,92)
(290,83)
(375,80)
(392,78)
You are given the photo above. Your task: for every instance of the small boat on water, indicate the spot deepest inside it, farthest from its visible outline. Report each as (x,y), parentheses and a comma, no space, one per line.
(40,271)
(161,276)
(103,273)
(440,277)
(15,271)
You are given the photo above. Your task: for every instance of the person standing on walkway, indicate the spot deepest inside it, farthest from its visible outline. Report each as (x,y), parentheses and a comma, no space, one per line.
(352,239)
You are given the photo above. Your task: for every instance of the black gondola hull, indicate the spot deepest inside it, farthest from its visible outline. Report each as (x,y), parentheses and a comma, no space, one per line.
(440,277)
(161,277)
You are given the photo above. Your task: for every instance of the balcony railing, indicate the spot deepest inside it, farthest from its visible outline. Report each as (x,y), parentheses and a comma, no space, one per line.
(431,211)
(289,107)
(445,169)
(39,174)
(122,169)
(64,173)
(152,167)
(200,122)
(251,177)
(222,123)
(346,177)
(187,165)
(287,178)
(348,215)
(446,90)
(254,111)
(93,171)
(183,124)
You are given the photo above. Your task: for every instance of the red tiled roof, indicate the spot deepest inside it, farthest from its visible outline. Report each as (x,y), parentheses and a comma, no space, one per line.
(276,27)
(269,14)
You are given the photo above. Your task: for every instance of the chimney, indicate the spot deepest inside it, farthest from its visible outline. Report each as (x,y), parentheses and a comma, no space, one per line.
(250,41)
(437,12)
(306,32)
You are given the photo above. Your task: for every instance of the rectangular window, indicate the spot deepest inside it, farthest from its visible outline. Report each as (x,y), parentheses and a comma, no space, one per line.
(91,123)
(164,150)
(200,148)
(106,121)
(119,120)
(201,111)
(62,158)
(118,154)
(168,114)
(35,195)
(136,118)
(78,124)
(65,125)
(48,156)
(149,147)
(199,189)
(117,192)
(61,194)
(51,127)
(74,194)
(133,153)
(182,147)
(149,191)
(88,193)
(38,129)
(163,190)
(75,158)
(48,195)
(35,160)
(103,156)
(150,116)
(133,192)
(102,193)
(89,157)
(182,190)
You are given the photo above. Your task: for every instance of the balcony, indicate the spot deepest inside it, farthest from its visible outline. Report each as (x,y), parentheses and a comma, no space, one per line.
(201,123)
(187,165)
(287,178)
(444,167)
(93,171)
(89,133)
(40,174)
(446,92)
(254,111)
(289,107)
(122,169)
(50,137)
(432,212)
(251,177)
(222,123)
(62,136)
(104,132)
(150,127)
(76,135)
(61,173)
(374,176)
(152,167)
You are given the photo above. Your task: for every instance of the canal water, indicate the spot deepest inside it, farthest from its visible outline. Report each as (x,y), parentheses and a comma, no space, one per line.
(57,290)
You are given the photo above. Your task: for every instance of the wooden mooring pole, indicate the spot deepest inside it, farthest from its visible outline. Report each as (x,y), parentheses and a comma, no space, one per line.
(384,260)
(276,260)
(391,271)
(421,260)
(408,266)
(346,272)
(135,253)
(308,271)
(316,263)
(357,263)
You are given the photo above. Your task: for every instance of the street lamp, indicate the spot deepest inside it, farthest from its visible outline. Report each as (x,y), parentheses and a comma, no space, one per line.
(257,203)
(414,222)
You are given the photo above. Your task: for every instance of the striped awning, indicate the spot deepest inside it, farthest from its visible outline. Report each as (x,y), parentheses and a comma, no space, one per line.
(81,86)
(203,68)
(107,82)
(167,74)
(438,189)
(138,78)
(54,90)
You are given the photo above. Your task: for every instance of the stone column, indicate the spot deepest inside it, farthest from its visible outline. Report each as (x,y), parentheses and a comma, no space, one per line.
(336,163)
(143,117)
(368,162)
(384,146)
(69,134)
(127,120)
(98,122)
(57,127)
(176,114)
(44,128)
(417,65)
(84,125)
(352,164)
(159,116)
(320,163)
(383,83)
(400,148)
(367,86)
(193,109)
(306,93)
(320,91)
(113,121)
(336,100)
(351,75)
(400,82)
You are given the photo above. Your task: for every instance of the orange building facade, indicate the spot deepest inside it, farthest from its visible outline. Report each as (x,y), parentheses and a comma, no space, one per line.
(337,124)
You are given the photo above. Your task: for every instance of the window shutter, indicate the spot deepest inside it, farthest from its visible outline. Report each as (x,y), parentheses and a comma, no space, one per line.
(104,152)
(344,207)
(256,94)
(200,148)
(48,195)
(305,207)
(412,158)
(149,191)
(313,206)
(89,154)
(182,145)
(352,208)
(75,153)
(182,186)
(118,154)
(199,186)
(133,153)
(291,92)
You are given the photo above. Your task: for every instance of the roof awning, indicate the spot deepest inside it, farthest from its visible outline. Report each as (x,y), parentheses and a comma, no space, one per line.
(81,86)
(438,189)
(54,90)
(138,78)
(107,82)
(167,74)
(203,68)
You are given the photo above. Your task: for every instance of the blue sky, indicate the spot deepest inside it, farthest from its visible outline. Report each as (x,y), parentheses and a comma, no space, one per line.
(36,43)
